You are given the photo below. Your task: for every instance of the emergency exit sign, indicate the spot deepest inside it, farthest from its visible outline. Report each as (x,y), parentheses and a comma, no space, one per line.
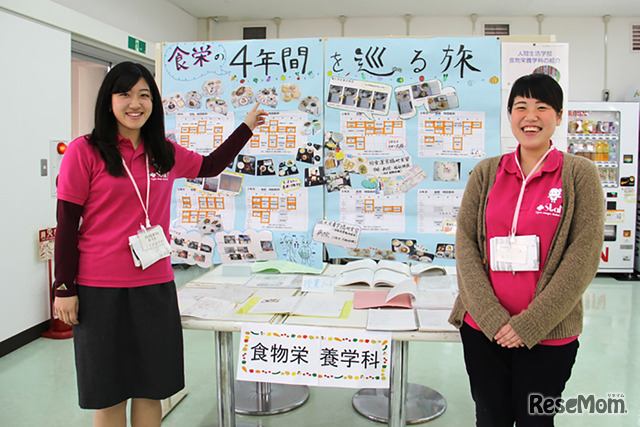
(137,45)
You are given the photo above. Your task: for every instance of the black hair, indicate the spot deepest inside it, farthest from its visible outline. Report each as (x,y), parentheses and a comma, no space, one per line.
(537,86)
(120,79)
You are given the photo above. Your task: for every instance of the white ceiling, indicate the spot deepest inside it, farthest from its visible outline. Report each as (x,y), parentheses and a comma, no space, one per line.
(248,10)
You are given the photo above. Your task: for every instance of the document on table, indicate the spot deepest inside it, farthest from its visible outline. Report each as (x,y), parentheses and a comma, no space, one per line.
(391,320)
(318,284)
(212,302)
(273,281)
(435,298)
(434,321)
(321,305)
(280,305)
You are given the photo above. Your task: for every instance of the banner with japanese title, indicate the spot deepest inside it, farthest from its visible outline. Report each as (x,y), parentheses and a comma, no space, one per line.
(326,357)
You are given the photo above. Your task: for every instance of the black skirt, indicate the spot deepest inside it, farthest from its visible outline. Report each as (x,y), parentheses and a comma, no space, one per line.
(128,344)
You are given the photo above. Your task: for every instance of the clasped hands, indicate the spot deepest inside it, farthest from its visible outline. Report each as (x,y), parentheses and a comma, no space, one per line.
(507,337)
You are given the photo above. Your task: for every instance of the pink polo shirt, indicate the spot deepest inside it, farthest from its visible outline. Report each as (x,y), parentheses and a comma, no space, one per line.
(112,211)
(539,215)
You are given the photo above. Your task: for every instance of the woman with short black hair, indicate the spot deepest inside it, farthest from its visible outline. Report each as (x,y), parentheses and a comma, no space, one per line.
(528,242)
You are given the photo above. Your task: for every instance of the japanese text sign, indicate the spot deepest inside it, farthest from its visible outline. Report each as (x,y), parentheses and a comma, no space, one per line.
(46,240)
(345,358)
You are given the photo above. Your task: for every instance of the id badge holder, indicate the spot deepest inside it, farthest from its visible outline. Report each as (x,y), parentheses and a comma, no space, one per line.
(148,246)
(515,253)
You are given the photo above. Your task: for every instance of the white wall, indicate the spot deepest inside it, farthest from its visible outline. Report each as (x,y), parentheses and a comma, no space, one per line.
(585,36)
(35,76)
(110,23)
(37,83)
(150,20)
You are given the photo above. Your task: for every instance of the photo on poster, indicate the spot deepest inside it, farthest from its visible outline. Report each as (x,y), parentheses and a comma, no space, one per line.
(406,109)
(210,225)
(211,184)
(266,167)
(246,164)
(243,96)
(230,183)
(338,181)
(287,168)
(445,250)
(314,176)
(446,171)
(365,97)
(311,153)
(447,100)
(312,127)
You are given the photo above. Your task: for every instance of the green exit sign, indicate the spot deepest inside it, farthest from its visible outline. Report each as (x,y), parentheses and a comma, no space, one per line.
(137,45)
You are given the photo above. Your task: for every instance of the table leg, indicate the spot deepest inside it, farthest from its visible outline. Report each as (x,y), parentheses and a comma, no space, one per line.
(224,371)
(398,383)
(408,404)
(258,398)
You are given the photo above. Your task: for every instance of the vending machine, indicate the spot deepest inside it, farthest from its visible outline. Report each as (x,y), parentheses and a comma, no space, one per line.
(607,134)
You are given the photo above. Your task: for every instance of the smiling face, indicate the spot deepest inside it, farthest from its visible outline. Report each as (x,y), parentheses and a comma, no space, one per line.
(132,109)
(533,123)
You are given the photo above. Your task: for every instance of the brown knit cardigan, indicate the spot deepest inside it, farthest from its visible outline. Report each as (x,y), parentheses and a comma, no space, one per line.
(573,259)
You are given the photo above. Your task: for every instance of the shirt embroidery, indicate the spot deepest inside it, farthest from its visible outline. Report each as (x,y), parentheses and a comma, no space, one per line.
(554,207)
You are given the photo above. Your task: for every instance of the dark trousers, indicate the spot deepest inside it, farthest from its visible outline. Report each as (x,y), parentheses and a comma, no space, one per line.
(502,379)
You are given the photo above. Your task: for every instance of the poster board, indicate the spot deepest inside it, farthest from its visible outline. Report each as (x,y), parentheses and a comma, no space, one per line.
(367,148)
(412,116)
(260,207)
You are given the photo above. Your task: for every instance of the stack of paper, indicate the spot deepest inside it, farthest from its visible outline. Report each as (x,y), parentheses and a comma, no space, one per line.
(434,321)
(210,302)
(391,320)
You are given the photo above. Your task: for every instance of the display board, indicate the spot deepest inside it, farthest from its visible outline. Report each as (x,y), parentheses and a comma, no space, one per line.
(262,206)
(367,148)
(406,120)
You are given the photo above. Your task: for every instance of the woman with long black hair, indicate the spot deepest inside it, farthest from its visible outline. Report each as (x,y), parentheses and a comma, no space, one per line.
(114,193)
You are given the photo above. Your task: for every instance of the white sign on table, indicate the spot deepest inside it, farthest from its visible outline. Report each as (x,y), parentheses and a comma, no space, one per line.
(328,357)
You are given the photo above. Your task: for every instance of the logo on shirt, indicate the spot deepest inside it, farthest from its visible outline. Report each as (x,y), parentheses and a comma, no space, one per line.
(155,176)
(554,206)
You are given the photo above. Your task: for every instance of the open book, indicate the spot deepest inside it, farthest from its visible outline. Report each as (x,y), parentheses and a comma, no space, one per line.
(383,273)
(372,273)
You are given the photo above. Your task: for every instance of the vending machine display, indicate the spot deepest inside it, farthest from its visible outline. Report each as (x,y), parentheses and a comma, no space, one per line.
(607,134)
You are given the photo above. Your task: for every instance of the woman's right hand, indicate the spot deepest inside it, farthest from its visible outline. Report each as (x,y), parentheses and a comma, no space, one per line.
(255,117)
(66,308)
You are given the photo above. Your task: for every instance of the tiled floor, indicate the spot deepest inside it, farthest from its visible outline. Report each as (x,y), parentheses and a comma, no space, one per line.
(37,381)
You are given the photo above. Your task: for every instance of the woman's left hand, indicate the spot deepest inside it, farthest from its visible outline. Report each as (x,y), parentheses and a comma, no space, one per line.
(507,337)
(255,117)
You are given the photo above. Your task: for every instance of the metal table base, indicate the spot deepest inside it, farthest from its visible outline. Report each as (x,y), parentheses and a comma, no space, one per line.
(402,403)
(422,404)
(253,398)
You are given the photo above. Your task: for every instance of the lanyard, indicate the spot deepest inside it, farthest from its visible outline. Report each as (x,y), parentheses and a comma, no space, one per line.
(524,184)
(135,186)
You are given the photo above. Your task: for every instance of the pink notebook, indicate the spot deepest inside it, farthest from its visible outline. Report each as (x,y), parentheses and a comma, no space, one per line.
(378,299)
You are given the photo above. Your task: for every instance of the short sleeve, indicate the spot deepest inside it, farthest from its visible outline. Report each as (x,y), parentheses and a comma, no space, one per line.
(75,172)
(187,163)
